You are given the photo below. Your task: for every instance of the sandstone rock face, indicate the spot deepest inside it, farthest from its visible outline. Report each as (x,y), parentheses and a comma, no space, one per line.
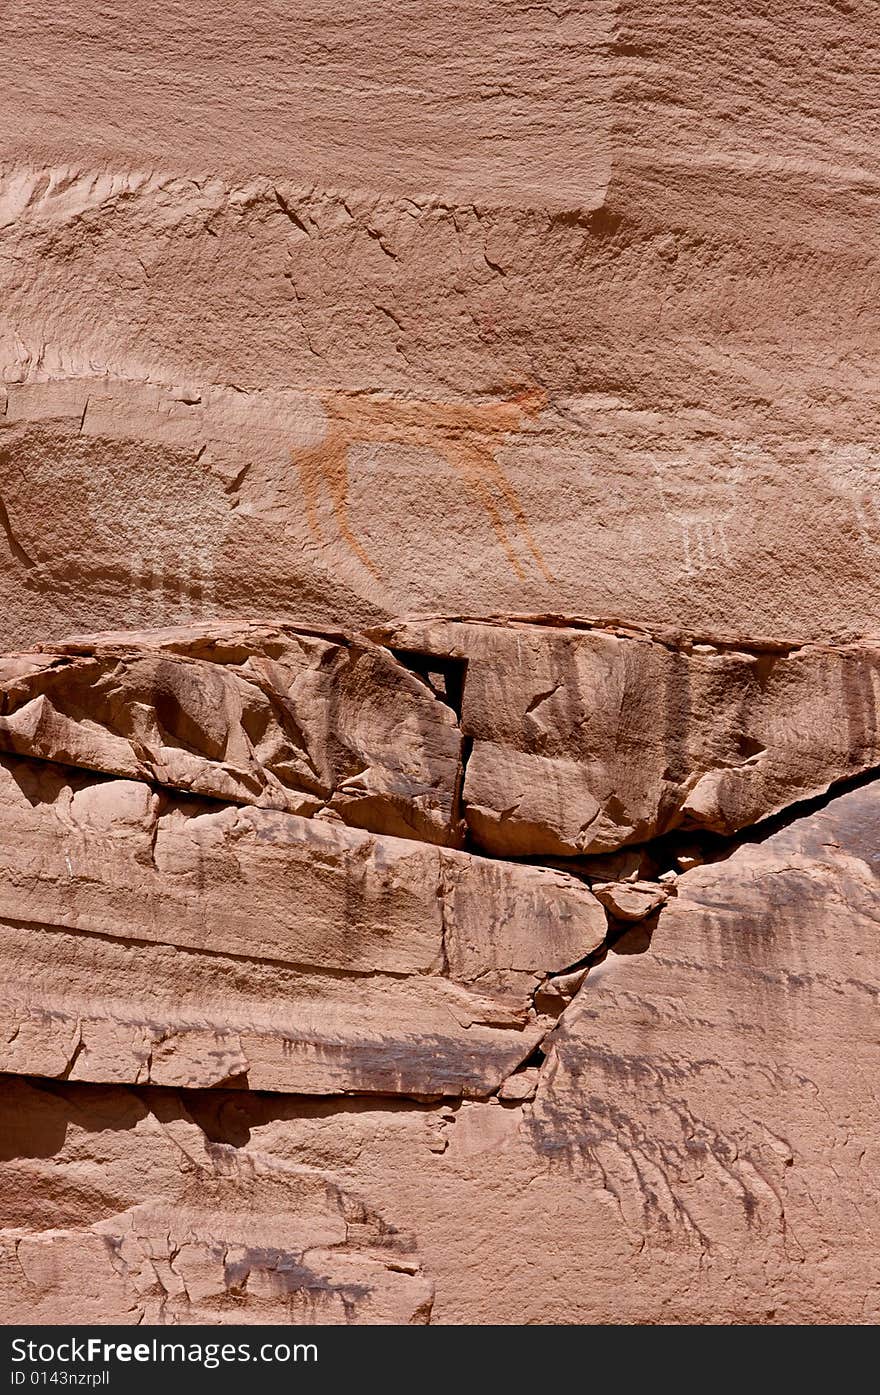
(701,1146)
(719,1088)
(317,958)
(489,311)
(220,1238)
(439,664)
(293,722)
(442,1029)
(584,739)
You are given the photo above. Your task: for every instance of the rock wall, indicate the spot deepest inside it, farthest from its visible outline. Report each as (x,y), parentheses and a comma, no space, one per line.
(440,512)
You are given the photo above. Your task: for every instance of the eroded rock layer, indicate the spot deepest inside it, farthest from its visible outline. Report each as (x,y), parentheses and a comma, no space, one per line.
(629,985)
(702,1143)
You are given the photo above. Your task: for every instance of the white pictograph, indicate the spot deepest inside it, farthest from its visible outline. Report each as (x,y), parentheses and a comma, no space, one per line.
(701,499)
(167,527)
(855,471)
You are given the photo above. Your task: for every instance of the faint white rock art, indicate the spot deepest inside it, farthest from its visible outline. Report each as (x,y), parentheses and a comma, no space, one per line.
(701,497)
(166,527)
(855,471)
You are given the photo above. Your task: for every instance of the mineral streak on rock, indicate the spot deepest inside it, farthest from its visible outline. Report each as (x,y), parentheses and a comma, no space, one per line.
(312,957)
(439,751)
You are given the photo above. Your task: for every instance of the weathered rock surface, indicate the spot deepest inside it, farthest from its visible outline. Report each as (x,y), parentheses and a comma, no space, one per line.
(702,1147)
(361,961)
(273,718)
(720,1089)
(147,938)
(579,741)
(630,900)
(519,1033)
(220,1238)
(274,232)
(584,739)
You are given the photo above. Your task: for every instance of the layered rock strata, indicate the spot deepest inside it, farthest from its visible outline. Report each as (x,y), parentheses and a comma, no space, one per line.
(439,532)
(625,885)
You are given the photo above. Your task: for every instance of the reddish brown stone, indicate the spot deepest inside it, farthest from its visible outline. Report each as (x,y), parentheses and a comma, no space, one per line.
(439,535)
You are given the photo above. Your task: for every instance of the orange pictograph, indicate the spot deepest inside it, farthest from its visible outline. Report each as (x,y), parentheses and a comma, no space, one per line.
(467,436)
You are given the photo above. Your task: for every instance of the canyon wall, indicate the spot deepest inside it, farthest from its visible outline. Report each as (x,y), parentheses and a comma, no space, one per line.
(440,634)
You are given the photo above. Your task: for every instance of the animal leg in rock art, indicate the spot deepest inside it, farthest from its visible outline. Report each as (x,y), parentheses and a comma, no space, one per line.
(327,464)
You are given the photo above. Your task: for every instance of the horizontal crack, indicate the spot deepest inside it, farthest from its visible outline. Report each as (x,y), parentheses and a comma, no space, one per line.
(667,637)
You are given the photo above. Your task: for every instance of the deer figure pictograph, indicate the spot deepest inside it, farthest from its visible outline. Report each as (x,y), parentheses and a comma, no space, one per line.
(467,435)
(700,499)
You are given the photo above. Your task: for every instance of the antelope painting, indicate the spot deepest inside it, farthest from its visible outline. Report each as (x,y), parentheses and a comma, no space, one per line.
(467,436)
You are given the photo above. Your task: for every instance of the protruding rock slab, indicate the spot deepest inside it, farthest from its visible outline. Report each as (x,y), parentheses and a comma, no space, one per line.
(584,740)
(151,939)
(577,741)
(275,718)
(630,900)
(84,1007)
